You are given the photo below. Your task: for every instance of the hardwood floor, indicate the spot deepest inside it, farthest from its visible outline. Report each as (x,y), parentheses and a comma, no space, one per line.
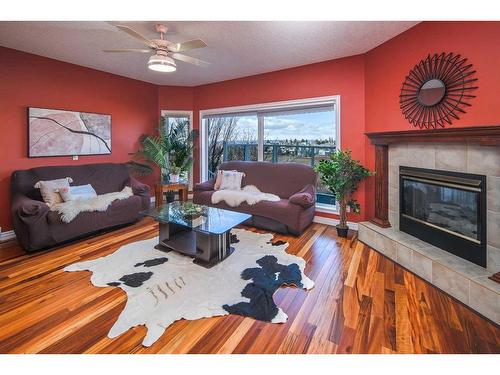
(362,303)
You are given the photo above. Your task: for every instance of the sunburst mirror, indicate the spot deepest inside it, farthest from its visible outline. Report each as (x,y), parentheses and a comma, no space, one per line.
(437,90)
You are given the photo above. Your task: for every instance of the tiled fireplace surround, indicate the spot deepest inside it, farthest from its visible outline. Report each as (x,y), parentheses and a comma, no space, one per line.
(463,280)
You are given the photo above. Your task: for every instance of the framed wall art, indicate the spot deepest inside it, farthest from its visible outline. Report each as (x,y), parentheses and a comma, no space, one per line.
(57,132)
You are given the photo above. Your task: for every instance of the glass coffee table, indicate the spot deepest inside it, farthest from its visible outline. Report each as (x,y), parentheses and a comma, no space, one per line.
(205,236)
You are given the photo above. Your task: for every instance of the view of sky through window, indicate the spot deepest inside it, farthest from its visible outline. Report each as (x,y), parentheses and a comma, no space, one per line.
(314,128)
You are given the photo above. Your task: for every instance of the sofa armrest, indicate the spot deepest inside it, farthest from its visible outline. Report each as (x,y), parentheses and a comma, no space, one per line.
(305,198)
(30,221)
(139,188)
(205,186)
(28,210)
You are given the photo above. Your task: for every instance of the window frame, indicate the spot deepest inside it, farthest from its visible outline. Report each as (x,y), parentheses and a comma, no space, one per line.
(182,114)
(260,110)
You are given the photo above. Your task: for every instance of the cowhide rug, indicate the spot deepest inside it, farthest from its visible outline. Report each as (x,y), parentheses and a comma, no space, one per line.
(164,287)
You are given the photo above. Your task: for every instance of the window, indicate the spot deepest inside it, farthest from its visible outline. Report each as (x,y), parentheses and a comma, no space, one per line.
(304,131)
(173,117)
(231,137)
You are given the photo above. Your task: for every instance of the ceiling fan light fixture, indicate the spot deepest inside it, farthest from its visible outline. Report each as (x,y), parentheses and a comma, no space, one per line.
(164,51)
(161,63)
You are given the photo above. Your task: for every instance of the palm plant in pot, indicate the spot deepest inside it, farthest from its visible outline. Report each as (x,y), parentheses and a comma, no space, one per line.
(170,151)
(342,175)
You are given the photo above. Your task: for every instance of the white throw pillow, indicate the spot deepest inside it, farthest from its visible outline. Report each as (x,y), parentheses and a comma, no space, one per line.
(231,180)
(73,193)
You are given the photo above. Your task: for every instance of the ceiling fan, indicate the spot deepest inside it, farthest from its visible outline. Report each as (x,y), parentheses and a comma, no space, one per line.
(164,51)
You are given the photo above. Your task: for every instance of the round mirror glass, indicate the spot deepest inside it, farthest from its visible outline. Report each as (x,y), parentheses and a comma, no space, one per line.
(431,92)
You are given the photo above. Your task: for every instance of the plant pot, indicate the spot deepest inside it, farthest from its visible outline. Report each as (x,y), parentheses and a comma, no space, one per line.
(170,196)
(192,216)
(342,232)
(173,177)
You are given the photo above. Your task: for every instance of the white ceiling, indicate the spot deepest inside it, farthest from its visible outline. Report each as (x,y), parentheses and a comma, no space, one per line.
(235,49)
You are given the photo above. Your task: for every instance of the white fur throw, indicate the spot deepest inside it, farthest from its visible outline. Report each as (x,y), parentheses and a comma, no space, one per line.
(249,194)
(69,210)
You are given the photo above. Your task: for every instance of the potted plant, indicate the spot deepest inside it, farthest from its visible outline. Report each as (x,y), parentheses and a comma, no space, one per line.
(342,175)
(171,151)
(174,174)
(191,210)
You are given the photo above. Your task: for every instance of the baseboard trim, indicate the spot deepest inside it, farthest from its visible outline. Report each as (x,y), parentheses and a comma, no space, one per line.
(330,221)
(7,235)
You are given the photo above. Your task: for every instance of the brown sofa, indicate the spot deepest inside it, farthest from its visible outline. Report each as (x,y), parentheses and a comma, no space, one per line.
(37,227)
(294,183)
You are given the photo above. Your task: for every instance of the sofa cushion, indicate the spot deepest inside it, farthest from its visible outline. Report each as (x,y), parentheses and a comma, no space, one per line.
(119,212)
(203,197)
(205,186)
(282,211)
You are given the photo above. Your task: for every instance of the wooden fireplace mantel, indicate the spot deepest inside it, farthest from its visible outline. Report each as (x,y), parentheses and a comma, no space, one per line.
(483,135)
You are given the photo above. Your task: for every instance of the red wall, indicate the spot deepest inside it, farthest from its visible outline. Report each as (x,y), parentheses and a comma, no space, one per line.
(30,80)
(344,77)
(388,65)
(176,98)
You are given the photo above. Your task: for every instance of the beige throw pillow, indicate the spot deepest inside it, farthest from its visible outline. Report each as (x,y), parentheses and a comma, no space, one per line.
(48,190)
(218,180)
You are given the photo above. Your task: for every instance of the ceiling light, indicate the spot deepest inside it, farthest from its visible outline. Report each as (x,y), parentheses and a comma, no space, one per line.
(161,63)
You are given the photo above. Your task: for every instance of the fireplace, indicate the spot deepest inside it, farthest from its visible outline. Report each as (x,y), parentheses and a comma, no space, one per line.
(445,209)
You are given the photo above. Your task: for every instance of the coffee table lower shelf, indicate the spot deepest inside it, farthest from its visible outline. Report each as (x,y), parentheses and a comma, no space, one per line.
(207,249)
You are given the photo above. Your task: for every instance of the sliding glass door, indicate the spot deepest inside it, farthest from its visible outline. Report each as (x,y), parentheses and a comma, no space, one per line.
(301,136)
(300,133)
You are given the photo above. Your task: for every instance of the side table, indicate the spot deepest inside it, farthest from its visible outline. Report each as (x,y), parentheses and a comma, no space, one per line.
(161,188)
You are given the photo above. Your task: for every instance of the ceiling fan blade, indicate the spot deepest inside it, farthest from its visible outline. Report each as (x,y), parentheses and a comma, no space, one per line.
(136,35)
(189,59)
(128,50)
(185,46)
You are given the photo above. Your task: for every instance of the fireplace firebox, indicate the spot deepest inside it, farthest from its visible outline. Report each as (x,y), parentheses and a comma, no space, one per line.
(445,209)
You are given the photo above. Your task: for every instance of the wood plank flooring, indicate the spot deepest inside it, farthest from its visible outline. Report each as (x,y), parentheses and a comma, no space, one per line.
(362,303)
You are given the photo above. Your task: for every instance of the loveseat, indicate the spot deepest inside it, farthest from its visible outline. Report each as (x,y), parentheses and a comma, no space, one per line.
(294,183)
(37,227)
